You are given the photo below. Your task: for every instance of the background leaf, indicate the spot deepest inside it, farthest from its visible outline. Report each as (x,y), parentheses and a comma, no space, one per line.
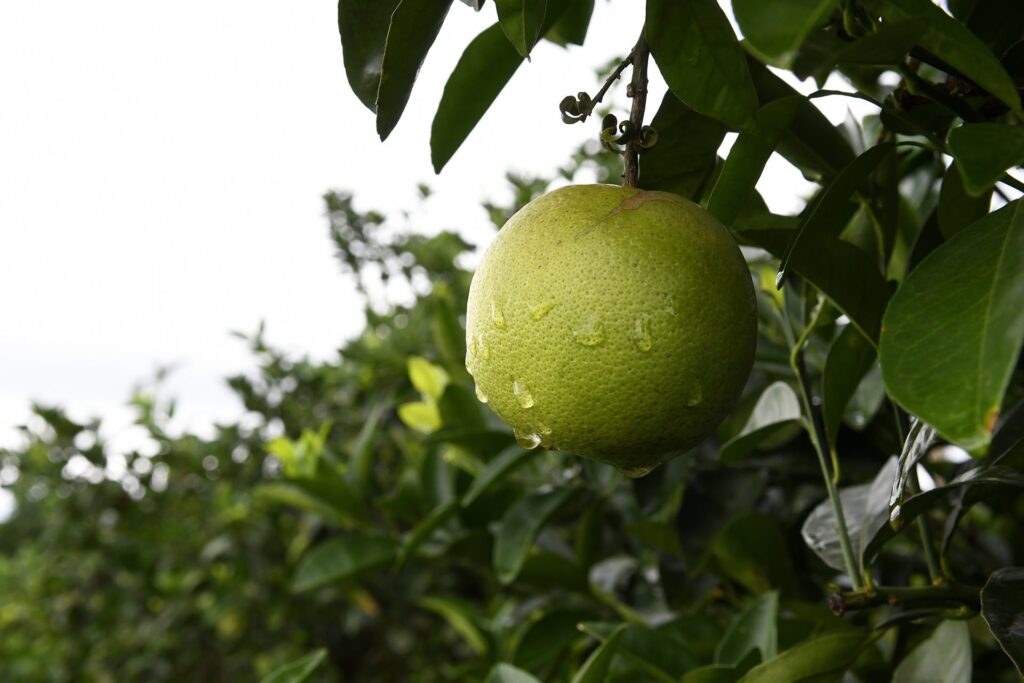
(944,658)
(984,151)
(521,21)
(520,526)
(777,29)
(754,629)
(297,671)
(849,358)
(342,558)
(810,660)
(684,159)
(506,673)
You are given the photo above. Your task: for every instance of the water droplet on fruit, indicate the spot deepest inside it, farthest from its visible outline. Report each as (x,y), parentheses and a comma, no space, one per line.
(522,394)
(485,351)
(695,396)
(541,310)
(590,333)
(498,316)
(472,346)
(543,429)
(480,395)
(642,333)
(529,441)
(635,472)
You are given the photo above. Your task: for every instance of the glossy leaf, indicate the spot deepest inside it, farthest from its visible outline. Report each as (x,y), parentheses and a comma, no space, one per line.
(684,158)
(979,481)
(743,167)
(363,25)
(810,660)
(520,526)
(849,358)
(954,44)
(595,669)
(703,64)
(483,70)
(506,673)
(414,27)
(753,629)
(342,558)
(1002,606)
(945,657)
(954,329)
(776,30)
(777,410)
(521,22)
(820,219)
(298,670)
(984,151)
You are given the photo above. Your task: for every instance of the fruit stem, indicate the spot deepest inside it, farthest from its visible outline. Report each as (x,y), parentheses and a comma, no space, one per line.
(814,431)
(940,595)
(638,91)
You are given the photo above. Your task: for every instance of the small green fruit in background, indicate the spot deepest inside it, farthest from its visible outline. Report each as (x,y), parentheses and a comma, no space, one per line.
(613,323)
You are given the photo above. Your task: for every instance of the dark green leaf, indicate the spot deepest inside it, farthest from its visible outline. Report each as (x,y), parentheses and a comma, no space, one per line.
(363,453)
(509,459)
(747,550)
(1002,606)
(811,143)
(844,273)
(832,653)
(957,209)
(749,154)
(363,25)
(342,558)
(753,629)
(980,481)
(850,357)
(945,657)
(984,151)
(821,218)
(684,158)
(547,636)
(712,674)
(954,329)
(954,44)
(519,528)
(886,46)
(295,495)
(571,27)
(775,30)
(703,64)
(298,670)
(414,27)
(595,669)
(483,70)
(521,21)
(506,673)
(777,411)
(422,531)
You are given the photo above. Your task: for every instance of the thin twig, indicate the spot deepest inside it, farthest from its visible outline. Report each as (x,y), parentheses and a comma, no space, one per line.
(608,82)
(638,90)
(943,596)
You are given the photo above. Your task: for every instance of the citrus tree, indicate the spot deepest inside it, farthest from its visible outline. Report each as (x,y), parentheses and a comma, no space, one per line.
(890,325)
(854,516)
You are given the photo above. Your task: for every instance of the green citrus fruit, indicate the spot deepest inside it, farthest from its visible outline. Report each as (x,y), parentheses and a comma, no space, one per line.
(613,323)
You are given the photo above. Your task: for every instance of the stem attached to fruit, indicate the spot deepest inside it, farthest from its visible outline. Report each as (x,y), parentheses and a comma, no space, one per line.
(638,91)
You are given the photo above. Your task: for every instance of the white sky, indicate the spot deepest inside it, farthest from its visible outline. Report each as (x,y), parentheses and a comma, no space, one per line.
(161,173)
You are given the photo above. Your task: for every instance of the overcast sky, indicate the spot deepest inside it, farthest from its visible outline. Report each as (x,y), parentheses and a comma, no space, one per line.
(161,172)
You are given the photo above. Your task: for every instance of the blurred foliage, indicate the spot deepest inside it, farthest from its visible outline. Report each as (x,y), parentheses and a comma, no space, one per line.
(367,519)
